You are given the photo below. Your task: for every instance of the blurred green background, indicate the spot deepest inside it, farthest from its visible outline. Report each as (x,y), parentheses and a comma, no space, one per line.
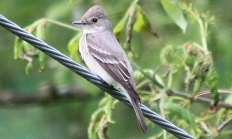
(70,119)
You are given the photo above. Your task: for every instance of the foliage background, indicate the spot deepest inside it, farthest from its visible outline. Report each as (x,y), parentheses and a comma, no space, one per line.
(70,118)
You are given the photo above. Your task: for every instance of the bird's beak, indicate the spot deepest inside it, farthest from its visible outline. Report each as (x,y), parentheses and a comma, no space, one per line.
(79,22)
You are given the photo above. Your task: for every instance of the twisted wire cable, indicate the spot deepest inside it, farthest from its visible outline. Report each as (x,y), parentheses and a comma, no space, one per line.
(78,69)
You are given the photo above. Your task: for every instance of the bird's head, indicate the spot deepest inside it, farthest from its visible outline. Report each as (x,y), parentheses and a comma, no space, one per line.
(95,20)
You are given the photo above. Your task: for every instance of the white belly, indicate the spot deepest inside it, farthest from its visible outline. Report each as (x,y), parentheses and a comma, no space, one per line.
(92,63)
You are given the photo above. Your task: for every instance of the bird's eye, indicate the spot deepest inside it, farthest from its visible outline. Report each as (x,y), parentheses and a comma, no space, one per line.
(94,20)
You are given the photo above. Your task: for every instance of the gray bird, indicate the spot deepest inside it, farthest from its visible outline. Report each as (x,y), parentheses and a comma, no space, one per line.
(105,57)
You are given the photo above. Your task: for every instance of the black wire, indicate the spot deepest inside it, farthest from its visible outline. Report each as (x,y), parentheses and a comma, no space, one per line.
(78,69)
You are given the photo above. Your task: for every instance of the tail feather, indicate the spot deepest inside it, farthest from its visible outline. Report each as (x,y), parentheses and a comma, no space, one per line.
(135,101)
(139,114)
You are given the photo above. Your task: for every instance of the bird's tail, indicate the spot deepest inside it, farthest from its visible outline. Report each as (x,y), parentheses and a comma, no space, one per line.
(139,114)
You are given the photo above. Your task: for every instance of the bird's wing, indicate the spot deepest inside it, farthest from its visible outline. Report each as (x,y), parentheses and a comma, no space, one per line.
(114,61)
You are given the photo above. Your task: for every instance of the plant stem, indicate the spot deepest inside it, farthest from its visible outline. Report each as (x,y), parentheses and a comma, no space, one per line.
(203,32)
(61,24)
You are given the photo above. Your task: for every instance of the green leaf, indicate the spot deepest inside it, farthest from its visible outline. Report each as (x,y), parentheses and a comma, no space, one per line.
(173,9)
(73,47)
(94,123)
(151,77)
(167,55)
(121,24)
(180,112)
(103,102)
(138,76)
(40,33)
(109,107)
(18,51)
(42,60)
(142,24)
(190,60)
(212,82)
(101,117)
(28,67)
(197,85)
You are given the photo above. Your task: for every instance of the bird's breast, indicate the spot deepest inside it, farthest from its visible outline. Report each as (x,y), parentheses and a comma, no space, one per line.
(92,63)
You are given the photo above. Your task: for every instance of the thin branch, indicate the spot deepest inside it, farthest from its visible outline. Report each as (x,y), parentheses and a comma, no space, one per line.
(200,98)
(223,124)
(44,20)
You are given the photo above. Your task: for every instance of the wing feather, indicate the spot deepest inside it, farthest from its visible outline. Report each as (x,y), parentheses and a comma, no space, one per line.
(116,66)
